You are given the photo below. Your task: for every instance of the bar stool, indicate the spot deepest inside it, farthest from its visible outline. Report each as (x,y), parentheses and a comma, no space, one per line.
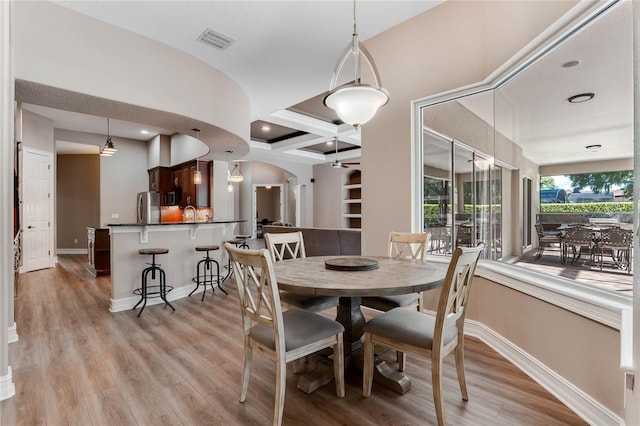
(148,291)
(207,278)
(239,241)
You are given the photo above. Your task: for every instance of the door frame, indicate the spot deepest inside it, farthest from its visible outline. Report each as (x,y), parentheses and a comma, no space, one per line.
(28,150)
(254,203)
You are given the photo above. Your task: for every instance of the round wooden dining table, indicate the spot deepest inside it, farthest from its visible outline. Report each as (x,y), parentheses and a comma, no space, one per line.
(392,277)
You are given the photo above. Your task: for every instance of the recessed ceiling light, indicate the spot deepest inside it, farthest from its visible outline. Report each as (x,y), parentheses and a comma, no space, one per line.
(593,147)
(265,128)
(582,97)
(570,64)
(145,132)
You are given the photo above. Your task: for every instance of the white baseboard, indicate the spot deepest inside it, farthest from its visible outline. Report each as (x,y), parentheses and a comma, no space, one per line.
(7,388)
(71,251)
(578,401)
(12,333)
(126,303)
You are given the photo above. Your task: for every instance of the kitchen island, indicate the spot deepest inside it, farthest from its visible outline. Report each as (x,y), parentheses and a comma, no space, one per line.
(180,238)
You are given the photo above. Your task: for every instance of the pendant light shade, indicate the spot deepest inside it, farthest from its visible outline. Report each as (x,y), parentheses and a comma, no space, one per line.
(356,103)
(235,175)
(197,176)
(109,148)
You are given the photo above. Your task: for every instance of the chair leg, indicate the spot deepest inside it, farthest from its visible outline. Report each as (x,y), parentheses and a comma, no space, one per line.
(436,380)
(338,366)
(281,386)
(401,357)
(246,373)
(367,380)
(460,370)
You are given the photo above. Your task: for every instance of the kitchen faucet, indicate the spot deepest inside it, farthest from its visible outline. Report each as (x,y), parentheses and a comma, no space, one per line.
(184,213)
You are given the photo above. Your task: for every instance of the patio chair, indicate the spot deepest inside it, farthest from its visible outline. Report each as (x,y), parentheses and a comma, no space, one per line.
(426,335)
(616,243)
(281,336)
(463,235)
(546,239)
(580,240)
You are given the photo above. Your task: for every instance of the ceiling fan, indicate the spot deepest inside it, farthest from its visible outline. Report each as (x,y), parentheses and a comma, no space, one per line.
(337,164)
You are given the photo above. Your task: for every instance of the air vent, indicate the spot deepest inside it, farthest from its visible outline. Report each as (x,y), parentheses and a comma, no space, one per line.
(215,39)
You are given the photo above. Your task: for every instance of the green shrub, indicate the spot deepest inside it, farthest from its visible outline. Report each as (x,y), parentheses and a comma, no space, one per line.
(616,207)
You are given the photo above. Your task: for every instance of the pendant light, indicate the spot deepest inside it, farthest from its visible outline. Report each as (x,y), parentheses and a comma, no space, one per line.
(356,103)
(235,175)
(109,148)
(197,176)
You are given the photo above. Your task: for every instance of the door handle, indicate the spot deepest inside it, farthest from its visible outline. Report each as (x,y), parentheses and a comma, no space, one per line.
(30,227)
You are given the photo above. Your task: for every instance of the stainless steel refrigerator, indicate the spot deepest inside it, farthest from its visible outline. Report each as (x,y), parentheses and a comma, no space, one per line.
(148,207)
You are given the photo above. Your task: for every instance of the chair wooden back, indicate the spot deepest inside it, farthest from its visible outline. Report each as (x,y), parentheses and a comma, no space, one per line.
(257,290)
(408,245)
(455,293)
(286,245)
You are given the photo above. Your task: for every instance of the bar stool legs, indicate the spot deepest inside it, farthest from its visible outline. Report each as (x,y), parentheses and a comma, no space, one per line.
(207,276)
(241,242)
(147,291)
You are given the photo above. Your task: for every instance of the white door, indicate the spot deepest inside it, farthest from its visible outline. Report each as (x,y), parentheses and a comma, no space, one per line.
(37,209)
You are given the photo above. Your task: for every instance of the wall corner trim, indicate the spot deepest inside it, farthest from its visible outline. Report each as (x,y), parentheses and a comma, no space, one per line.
(578,401)
(7,388)
(12,333)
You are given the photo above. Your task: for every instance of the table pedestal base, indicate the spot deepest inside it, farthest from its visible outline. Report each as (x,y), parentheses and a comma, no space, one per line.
(383,374)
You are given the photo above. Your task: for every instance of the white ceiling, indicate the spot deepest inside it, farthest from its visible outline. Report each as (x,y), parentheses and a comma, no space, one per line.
(284,52)
(281,65)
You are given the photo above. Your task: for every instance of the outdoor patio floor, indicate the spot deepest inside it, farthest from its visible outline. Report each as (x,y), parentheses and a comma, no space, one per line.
(609,278)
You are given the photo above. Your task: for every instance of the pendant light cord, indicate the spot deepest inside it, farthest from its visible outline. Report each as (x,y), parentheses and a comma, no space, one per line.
(355,30)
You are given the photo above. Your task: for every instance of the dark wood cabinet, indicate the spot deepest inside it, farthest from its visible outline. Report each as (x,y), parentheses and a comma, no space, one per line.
(99,251)
(179,179)
(192,194)
(160,179)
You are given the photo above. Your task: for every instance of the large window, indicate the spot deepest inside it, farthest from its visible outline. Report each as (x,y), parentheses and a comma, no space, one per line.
(462,196)
(486,150)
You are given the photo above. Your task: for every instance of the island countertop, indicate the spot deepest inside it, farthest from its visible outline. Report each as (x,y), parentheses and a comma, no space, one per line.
(179,223)
(179,264)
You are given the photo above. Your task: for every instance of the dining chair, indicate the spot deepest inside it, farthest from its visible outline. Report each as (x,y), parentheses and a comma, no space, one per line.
(281,336)
(401,245)
(290,245)
(546,239)
(425,334)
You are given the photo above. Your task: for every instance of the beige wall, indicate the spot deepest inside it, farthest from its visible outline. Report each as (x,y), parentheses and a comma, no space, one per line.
(327,196)
(584,352)
(57,47)
(451,46)
(37,131)
(77,199)
(122,176)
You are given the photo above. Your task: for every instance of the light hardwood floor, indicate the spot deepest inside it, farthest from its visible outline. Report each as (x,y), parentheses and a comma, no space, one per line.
(77,364)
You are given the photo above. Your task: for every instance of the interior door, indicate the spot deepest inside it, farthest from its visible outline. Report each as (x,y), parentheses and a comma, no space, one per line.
(37,208)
